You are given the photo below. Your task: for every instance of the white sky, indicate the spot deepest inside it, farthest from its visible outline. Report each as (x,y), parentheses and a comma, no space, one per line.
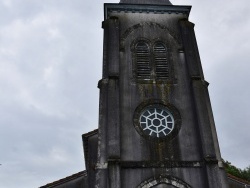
(50,63)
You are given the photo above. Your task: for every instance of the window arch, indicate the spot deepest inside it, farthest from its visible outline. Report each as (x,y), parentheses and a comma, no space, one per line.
(151,61)
(164,181)
(163,185)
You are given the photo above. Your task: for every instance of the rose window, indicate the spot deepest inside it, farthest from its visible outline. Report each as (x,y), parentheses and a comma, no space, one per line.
(157,122)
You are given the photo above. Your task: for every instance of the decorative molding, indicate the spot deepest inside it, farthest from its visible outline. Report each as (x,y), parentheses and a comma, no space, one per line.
(131,29)
(164,179)
(161,164)
(211,160)
(163,2)
(101,165)
(144,8)
(196,78)
(104,81)
(199,78)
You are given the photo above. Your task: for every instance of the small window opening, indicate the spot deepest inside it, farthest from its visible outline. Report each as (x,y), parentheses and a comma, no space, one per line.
(161,61)
(143,67)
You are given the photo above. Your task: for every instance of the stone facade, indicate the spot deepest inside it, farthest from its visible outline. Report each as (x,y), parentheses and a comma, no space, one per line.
(130,155)
(156,127)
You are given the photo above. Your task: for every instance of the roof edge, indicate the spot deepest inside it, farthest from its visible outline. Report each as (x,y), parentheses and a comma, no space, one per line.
(156,2)
(66,179)
(145,8)
(85,138)
(237,179)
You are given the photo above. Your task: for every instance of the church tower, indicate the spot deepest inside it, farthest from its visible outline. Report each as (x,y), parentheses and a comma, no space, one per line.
(156,127)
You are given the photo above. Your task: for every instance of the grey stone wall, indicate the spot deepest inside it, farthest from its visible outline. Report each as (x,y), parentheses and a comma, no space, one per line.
(126,157)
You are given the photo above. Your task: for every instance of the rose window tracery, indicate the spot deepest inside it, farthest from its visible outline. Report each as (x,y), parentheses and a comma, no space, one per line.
(157,122)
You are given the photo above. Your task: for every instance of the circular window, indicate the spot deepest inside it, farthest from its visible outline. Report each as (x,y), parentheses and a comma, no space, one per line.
(156,121)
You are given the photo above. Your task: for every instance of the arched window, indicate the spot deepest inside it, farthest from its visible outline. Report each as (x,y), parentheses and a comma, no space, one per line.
(161,61)
(151,61)
(143,68)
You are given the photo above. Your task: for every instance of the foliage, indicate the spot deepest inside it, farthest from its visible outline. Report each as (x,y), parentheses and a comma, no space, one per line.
(231,169)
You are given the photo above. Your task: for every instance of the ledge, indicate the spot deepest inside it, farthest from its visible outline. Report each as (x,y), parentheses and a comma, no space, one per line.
(144,8)
(158,164)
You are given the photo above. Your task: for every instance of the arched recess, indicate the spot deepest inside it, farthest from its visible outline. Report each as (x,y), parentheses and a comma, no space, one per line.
(146,26)
(161,181)
(161,61)
(151,60)
(142,60)
(149,50)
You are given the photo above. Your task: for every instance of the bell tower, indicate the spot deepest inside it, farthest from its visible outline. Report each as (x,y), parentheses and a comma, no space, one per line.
(156,127)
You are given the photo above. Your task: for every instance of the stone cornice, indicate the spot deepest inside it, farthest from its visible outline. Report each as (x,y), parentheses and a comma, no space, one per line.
(158,164)
(143,8)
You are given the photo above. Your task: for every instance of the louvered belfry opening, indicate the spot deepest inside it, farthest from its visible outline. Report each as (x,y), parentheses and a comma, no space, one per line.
(151,61)
(143,68)
(161,61)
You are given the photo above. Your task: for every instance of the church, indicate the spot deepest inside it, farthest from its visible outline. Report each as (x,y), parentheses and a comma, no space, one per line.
(156,126)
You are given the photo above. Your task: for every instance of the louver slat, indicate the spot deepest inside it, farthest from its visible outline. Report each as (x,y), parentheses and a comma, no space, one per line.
(161,62)
(142,61)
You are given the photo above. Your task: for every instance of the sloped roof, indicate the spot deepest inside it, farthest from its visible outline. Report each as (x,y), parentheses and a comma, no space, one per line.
(239,180)
(85,138)
(84,174)
(66,179)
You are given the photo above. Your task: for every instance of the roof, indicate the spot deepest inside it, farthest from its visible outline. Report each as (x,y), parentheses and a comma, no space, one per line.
(155,2)
(66,179)
(85,138)
(84,174)
(238,180)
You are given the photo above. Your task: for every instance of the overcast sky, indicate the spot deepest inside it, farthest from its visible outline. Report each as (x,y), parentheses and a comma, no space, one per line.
(51,61)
